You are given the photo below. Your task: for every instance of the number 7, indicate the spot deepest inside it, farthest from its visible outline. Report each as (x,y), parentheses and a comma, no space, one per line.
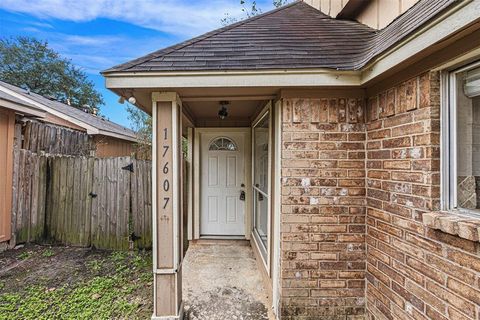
(166,202)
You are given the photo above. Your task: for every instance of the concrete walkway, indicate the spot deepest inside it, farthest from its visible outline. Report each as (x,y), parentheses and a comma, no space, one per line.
(221,281)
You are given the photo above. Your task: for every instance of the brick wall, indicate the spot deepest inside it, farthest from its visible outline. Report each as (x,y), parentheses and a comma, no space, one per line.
(354,193)
(413,272)
(323,209)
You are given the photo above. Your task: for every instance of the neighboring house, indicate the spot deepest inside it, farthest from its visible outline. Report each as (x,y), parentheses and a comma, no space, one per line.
(106,138)
(10,106)
(349,156)
(32,122)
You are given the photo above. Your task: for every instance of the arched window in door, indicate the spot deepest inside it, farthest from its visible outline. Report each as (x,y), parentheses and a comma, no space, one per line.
(222,144)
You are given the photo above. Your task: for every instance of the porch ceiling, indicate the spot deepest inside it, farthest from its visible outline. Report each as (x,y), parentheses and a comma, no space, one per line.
(204,103)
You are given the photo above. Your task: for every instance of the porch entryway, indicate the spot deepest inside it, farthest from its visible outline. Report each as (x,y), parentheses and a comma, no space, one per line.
(213,166)
(221,280)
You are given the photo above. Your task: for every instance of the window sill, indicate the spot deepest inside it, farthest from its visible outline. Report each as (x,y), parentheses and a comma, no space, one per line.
(455,223)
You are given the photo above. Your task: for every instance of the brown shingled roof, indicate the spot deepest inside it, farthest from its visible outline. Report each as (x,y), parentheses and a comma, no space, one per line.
(105,126)
(296,36)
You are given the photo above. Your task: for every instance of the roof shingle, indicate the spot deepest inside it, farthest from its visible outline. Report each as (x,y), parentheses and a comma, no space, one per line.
(101,124)
(296,36)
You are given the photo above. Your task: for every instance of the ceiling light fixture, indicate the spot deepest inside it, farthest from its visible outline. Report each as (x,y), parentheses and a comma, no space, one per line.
(223,112)
(132,100)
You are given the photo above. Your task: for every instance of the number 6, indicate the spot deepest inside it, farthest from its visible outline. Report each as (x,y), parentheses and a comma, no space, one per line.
(165,168)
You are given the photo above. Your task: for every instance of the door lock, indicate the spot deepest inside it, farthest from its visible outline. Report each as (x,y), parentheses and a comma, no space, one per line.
(242,195)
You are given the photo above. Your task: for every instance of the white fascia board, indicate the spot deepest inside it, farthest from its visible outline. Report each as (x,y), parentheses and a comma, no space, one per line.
(117,135)
(90,129)
(440,28)
(282,78)
(22,109)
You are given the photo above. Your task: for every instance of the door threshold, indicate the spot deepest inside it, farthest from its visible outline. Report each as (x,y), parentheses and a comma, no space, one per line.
(222,238)
(223,242)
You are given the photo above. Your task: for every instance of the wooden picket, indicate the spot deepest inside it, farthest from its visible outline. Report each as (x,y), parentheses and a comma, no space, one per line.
(82,201)
(28,214)
(41,137)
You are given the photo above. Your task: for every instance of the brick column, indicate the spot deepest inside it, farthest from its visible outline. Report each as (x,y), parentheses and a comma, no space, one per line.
(167,259)
(323,209)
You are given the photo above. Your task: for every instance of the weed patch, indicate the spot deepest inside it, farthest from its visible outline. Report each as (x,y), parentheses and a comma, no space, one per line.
(104,286)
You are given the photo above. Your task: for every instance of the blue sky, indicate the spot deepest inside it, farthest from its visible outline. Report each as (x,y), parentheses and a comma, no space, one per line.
(98,34)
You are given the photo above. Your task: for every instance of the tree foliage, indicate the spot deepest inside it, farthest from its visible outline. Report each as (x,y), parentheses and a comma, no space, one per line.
(250,9)
(26,61)
(141,123)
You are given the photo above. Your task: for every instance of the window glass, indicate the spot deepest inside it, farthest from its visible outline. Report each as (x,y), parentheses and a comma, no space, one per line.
(261,217)
(261,136)
(261,176)
(222,144)
(468,139)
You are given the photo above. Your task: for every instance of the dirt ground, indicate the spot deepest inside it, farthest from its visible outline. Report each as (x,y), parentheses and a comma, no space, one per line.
(41,282)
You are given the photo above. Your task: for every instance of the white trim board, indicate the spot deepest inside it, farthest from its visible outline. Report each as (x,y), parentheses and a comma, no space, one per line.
(21,108)
(282,78)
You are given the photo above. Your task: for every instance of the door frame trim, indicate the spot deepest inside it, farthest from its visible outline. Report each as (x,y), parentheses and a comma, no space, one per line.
(197,176)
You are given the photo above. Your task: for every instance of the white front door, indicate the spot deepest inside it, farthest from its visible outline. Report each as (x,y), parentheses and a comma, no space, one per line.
(222,182)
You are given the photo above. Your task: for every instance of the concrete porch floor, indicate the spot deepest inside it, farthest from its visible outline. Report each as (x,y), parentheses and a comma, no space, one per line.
(221,280)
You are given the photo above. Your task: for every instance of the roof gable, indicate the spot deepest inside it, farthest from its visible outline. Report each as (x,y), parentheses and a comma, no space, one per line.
(296,36)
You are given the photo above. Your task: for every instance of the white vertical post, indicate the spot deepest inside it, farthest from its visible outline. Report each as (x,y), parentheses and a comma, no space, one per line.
(190,183)
(277,179)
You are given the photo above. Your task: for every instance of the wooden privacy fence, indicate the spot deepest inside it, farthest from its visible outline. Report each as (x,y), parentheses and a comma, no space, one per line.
(41,137)
(82,201)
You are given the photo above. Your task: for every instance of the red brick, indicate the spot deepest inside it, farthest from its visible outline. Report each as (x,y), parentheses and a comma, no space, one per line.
(464,259)
(408,129)
(464,290)
(408,296)
(397,142)
(426,270)
(396,164)
(426,296)
(465,306)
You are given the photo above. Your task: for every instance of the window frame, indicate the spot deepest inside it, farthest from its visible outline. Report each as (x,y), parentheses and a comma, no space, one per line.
(264,250)
(214,140)
(448,143)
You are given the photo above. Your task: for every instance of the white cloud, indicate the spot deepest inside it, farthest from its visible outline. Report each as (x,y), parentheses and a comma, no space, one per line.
(179,17)
(94,53)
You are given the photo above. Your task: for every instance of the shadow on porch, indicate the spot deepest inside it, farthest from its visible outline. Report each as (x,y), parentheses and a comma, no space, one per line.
(221,280)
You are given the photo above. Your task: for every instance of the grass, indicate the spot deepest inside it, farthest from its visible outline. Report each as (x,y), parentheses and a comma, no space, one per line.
(25,255)
(48,253)
(110,293)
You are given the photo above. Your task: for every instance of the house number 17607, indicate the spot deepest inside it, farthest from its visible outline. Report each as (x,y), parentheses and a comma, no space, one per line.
(166,169)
